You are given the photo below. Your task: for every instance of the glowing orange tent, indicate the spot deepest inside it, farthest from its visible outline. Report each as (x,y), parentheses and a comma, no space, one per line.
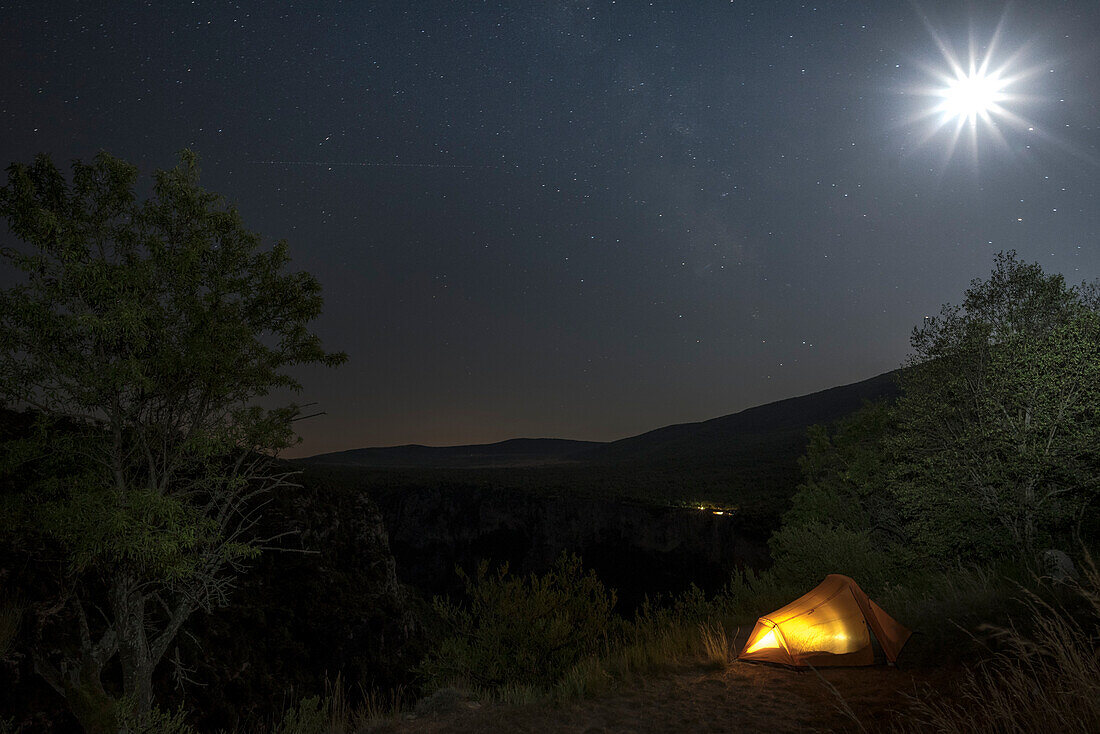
(828,626)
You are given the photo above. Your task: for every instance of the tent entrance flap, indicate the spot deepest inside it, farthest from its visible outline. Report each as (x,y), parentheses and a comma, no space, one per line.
(768,639)
(830,625)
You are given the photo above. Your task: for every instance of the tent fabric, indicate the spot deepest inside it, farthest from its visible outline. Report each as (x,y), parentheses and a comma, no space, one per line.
(829,626)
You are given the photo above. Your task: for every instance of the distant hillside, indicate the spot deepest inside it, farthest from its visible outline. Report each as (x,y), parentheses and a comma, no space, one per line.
(514,452)
(766,433)
(751,430)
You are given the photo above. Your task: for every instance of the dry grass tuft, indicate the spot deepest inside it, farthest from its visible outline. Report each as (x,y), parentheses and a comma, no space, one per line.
(716,645)
(1047,679)
(332,713)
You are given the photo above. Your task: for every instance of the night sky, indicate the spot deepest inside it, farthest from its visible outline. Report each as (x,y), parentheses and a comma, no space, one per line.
(589,220)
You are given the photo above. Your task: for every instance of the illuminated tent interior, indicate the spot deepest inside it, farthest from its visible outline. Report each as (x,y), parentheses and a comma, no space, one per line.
(831,625)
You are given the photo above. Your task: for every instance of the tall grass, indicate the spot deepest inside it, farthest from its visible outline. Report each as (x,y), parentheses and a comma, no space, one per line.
(715,643)
(1044,679)
(11,614)
(333,713)
(688,630)
(945,609)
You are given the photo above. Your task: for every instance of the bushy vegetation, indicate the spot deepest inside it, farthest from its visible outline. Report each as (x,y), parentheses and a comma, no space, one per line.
(555,636)
(815,549)
(947,608)
(521,630)
(936,503)
(661,635)
(841,518)
(990,452)
(1043,675)
(991,449)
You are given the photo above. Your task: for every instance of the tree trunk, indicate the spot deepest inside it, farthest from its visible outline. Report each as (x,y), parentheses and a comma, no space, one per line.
(128,604)
(90,704)
(80,684)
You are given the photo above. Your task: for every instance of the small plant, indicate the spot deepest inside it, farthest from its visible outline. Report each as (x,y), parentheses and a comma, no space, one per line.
(332,713)
(11,614)
(519,694)
(441,701)
(521,630)
(378,705)
(716,646)
(311,715)
(586,679)
(156,721)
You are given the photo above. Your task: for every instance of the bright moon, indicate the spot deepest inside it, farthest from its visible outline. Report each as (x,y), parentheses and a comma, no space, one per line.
(972,96)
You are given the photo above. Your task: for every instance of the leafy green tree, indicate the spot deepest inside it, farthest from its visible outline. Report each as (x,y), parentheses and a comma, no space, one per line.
(843,516)
(999,431)
(844,470)
(141,333)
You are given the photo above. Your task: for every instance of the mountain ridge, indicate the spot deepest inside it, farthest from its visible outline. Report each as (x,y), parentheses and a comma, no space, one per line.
(780,422)
(509,452)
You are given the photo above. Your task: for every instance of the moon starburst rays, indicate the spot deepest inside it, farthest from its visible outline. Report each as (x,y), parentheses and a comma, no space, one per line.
(972,96)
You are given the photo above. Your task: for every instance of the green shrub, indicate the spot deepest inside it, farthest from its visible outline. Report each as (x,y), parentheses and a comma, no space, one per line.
(806,553)
(750,594)
(521,630)
(586,679)
(309,716)
(156,721)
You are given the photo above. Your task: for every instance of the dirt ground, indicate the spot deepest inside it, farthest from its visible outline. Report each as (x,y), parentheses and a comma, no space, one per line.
(745,697)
